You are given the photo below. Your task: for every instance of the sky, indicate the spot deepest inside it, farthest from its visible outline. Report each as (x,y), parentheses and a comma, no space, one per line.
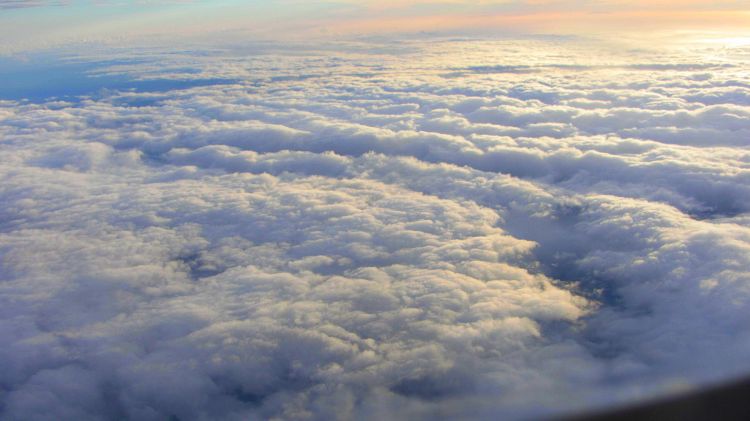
(352,210)
(40,24)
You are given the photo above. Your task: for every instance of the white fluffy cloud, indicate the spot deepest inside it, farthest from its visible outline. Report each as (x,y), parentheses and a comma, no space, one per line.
(381,235)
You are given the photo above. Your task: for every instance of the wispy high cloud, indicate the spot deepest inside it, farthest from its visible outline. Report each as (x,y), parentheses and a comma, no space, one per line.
(19,4)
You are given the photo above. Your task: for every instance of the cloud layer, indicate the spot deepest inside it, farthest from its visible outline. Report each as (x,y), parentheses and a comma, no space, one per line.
(395,231)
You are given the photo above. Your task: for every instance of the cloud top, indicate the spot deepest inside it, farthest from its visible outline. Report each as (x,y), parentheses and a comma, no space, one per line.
(377,233)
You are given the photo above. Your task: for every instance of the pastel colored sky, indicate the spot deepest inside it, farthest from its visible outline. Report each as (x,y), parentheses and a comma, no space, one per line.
(34,24)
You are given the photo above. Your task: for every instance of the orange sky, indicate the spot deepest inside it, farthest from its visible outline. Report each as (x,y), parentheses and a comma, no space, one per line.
(552,22)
